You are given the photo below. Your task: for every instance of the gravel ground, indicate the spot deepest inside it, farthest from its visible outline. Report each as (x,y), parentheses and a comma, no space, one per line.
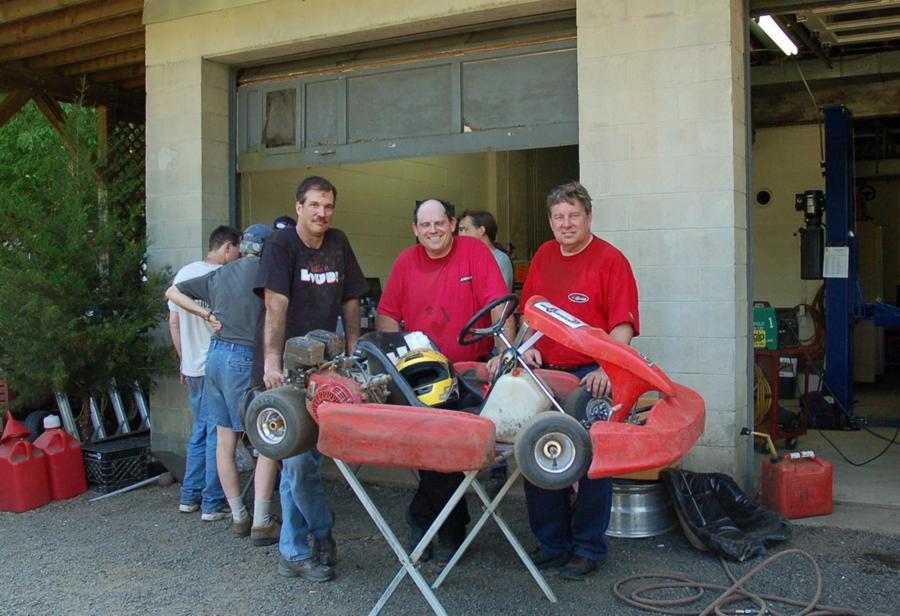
(136,554)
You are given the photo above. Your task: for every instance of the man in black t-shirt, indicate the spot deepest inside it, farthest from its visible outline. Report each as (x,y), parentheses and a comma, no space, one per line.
(308,277)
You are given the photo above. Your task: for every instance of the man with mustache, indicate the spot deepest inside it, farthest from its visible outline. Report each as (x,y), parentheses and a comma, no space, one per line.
(308,277)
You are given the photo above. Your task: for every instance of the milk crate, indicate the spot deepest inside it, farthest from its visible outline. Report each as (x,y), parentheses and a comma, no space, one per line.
(116,462)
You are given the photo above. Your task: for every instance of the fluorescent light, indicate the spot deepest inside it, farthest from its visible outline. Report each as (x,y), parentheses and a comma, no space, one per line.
(774,31)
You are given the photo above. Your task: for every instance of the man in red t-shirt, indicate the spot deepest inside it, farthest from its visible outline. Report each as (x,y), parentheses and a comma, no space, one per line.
(435,287)
(592,280)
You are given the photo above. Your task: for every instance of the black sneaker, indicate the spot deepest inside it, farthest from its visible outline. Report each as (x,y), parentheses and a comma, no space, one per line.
(308,569)
(325,551)
(416,533)
(579,568)
(543,561)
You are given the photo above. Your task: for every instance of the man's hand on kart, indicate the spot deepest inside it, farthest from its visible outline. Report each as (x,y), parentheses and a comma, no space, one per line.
(597,383)
(273,378)
(532,357)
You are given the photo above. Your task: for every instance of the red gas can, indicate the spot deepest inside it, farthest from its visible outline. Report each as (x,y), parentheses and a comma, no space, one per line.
(797,488)
(65,462)
(23,476)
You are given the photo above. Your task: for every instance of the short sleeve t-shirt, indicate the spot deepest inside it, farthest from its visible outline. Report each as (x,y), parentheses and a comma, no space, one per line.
(439,296)
(316,282)
(596,285)
(228,292)
(506,266)
(194,332)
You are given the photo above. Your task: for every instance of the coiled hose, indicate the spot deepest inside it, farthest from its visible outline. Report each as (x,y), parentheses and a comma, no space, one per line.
(729,594)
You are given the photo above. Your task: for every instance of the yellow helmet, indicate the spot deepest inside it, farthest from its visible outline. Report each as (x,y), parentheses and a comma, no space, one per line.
(429,374)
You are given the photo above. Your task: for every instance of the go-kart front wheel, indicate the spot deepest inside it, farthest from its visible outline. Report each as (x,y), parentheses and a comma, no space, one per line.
(278,424)
(553,450)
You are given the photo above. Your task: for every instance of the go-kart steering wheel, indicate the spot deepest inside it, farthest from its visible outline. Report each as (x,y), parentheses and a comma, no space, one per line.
(470,334)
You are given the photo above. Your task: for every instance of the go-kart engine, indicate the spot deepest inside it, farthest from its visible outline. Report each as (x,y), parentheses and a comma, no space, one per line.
(331,387)
(311,350)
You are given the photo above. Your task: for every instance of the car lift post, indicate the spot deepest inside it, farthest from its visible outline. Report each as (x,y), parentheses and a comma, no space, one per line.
(844,302)
(840,232)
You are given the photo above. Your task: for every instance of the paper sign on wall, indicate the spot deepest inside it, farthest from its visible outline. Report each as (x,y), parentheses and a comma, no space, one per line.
(837,262)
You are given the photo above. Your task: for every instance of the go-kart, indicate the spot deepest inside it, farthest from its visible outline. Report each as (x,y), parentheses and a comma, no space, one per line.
(358,408)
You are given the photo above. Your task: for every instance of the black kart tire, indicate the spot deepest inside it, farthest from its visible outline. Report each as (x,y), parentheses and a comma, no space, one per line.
(278,424)
(553,450)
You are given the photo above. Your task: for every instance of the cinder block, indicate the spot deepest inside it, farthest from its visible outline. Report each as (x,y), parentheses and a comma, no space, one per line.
(720,430)
(718,282)
(668,283)
(707,100)
(718,355)
(717,390)
(710,460)
(668,211)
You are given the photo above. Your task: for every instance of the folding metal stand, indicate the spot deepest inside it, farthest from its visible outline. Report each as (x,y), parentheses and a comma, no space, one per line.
(408,561)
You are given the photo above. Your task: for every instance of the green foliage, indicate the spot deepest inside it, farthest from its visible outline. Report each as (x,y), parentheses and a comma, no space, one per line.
(76,302)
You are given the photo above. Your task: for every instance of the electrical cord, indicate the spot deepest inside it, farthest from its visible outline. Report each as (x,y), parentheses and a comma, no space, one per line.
(728,594)
(817,312)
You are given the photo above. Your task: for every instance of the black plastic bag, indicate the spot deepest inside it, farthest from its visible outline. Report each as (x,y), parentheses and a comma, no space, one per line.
(717,516)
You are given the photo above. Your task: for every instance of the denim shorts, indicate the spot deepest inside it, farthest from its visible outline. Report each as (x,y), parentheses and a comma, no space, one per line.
(228,367)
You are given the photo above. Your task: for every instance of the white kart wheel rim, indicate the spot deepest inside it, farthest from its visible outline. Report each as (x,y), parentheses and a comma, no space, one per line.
(270,426)
(554,452)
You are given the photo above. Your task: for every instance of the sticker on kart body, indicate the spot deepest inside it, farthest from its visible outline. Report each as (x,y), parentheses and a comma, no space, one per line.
(560,315)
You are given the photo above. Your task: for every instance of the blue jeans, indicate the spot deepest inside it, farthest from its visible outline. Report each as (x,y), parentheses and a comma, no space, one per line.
(303,508)
(201,481)
(228,367)
(563,527)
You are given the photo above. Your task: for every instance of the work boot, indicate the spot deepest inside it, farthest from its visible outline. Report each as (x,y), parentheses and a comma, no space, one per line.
(543,561)
(325,551)
(265,535)
(579,568)
(241,528)
(308,569)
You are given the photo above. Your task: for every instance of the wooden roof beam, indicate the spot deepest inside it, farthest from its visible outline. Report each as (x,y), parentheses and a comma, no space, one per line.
(67,19)
(129,42)
(14,10)
(132,71)
(73,38)
(107,62)
(17,77)
(11,105)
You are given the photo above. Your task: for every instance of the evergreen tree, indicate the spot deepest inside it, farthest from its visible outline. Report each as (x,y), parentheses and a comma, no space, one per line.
(77,303)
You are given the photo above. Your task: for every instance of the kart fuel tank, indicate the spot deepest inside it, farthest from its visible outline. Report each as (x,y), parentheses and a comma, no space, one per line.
(514,399)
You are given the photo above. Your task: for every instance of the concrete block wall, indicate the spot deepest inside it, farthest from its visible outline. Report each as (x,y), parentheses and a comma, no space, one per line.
(187,195)
(661,125)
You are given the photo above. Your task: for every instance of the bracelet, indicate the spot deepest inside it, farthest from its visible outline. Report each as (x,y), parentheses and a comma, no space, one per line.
(208,316)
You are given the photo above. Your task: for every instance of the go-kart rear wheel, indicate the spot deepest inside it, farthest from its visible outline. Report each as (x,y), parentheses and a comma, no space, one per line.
(553,450)
(278,424)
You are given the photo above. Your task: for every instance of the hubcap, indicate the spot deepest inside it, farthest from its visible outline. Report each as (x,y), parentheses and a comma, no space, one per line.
(270,426)
(554,452)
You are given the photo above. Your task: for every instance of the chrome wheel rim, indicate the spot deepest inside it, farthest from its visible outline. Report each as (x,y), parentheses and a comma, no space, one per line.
(270,426)
(554,452)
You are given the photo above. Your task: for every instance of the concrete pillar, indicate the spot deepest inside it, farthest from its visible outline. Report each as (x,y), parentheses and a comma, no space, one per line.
(187,197)
(661,132)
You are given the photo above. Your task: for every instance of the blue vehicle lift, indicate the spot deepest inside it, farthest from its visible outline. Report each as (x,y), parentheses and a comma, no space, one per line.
(844,303)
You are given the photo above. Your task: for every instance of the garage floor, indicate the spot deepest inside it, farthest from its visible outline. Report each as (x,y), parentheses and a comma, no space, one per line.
(868,496)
